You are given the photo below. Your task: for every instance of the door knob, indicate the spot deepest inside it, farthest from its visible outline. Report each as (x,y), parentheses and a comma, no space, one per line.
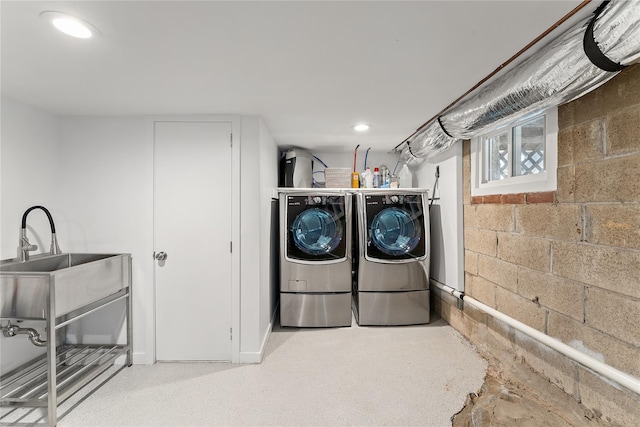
(160,256)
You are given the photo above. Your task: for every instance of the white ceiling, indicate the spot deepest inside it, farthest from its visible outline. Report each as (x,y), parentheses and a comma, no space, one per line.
(310,68)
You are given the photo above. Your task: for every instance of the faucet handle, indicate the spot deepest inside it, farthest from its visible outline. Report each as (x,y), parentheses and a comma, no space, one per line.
(26,246)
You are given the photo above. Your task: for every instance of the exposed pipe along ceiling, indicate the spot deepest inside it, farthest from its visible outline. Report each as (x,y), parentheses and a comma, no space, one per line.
(573,64)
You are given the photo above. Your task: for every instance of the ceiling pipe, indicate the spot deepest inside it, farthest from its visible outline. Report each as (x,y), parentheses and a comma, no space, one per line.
(573,64)
(499,69)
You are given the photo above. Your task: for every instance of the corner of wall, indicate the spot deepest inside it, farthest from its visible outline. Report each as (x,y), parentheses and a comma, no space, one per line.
(258,356)
(259,160)
(446,215)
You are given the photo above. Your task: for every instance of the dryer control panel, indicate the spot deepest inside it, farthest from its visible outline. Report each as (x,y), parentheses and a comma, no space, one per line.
(318,200)
(393,199)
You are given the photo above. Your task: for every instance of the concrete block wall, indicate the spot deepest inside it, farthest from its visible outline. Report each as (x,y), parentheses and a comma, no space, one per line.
(566,262)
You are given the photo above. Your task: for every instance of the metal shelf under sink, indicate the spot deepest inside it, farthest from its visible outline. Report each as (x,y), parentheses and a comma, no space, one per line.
(58,290)
(75,366)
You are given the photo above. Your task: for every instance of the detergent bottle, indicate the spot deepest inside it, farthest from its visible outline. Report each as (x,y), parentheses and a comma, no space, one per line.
(355,180)
(376,178)
(405,177)
(366,178)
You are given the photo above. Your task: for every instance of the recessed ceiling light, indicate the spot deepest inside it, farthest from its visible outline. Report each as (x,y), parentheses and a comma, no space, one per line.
(70,25)
(361,127)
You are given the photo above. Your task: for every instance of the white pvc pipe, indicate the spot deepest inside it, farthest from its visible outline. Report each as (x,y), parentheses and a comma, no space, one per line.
(625,380)
(447,289)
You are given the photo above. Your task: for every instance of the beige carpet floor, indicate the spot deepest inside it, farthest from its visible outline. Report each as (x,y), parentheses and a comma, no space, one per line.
(366,376)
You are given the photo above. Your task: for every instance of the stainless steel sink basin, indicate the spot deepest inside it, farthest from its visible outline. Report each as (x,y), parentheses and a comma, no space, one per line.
(52,263)
(72,280)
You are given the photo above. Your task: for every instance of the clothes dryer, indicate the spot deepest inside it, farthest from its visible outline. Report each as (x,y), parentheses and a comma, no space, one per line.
(391,265)
(315,258)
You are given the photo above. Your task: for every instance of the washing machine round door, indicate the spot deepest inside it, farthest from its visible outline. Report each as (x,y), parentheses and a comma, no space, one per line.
(316,232)
(395,232)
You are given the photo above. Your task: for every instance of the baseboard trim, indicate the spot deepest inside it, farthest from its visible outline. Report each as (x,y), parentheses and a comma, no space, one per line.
(258,356)
(140,359)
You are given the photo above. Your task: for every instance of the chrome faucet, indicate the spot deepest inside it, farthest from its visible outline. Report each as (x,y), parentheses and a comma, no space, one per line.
(24,247)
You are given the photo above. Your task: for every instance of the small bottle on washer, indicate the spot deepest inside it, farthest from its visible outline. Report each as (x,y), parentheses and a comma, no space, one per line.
(366,178)
(376,178)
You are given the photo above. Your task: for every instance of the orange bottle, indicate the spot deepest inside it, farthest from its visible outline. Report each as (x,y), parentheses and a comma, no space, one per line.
(355,180)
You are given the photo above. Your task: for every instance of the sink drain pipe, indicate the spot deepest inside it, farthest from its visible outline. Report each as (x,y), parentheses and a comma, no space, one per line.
(627,381)
(34,336)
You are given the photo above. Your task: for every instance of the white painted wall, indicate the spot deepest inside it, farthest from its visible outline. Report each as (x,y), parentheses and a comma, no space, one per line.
(95,174)
(250,235)
(249,231)
(106,172)
(269,285)
(26,180)
(259,156)
(447,245)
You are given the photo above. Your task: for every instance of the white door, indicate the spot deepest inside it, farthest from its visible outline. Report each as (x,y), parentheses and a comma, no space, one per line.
(192,221)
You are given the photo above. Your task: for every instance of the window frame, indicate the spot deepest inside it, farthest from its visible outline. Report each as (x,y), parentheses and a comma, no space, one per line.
(544,181)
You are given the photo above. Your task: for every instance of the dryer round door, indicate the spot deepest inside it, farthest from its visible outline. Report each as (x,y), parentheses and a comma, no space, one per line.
(317,233)
(396,233)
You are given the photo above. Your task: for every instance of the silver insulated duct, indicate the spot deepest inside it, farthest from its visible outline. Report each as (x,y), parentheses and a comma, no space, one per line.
(573,64)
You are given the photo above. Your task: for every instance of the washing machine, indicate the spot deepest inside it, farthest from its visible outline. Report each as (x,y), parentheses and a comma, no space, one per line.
(315,258)
(391,265)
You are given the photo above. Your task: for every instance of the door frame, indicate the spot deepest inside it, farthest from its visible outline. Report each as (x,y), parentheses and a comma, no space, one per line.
(149,296)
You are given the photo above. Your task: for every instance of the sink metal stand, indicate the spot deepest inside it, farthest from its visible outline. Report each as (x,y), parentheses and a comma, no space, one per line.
(50,379)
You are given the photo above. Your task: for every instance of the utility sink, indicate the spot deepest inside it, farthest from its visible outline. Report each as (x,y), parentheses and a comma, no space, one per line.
(73,280)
